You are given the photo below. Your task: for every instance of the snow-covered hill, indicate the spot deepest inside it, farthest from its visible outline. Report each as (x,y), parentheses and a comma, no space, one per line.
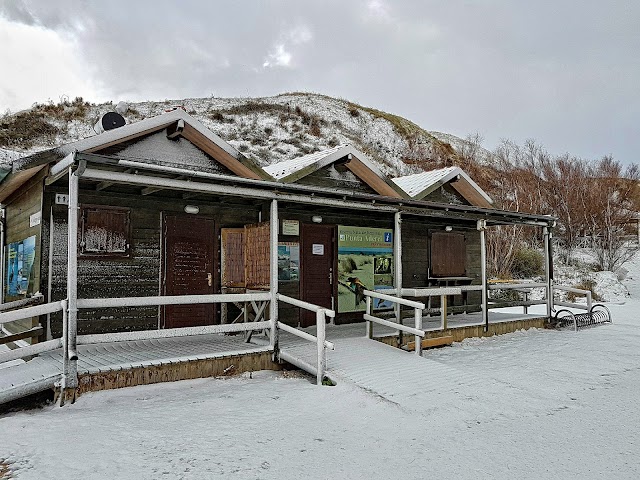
(268,129)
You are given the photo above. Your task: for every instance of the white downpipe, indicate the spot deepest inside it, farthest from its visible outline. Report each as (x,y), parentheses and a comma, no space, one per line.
(397,262)
(273,288)
(72,279)
(482,226)
(322,358)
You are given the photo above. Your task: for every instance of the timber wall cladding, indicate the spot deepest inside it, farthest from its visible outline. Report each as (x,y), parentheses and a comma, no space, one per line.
(137,275)
(19,209)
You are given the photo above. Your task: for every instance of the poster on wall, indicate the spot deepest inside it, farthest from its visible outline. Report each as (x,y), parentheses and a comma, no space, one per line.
(365,262)
(20,258)
(288,261)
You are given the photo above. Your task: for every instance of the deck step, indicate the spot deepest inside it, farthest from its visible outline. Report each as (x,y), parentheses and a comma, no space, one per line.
(432,342)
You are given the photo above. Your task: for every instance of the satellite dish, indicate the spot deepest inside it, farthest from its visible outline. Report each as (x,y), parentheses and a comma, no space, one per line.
(109,121)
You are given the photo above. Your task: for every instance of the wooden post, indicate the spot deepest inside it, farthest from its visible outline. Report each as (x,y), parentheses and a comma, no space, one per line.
(369,325)
(397,262)
(418,325)
(320,334)
(273,284)
(443,312)
(482,226)
(548,270)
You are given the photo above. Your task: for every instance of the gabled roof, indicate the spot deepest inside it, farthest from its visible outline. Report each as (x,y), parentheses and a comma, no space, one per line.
(177,122)
(419,185)
(357,162)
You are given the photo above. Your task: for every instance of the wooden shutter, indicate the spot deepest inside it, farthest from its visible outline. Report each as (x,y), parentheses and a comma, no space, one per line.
(233,246)
(105,231)
(257,260)
(448,255)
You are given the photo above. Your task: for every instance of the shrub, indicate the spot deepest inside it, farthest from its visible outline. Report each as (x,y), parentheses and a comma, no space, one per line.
(25,128)
(527,263)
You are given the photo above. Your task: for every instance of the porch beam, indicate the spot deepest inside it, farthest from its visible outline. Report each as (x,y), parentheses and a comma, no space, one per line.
(237,191)
(104,185)
(149,190)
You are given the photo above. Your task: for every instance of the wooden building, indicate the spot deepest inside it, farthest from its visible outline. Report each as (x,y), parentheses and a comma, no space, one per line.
(166,207)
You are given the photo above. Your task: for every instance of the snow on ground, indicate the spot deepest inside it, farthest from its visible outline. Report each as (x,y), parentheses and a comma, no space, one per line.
(544,404)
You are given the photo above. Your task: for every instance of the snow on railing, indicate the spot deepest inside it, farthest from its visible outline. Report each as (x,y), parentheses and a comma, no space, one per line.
(417,331)
(320,338)
(30,312)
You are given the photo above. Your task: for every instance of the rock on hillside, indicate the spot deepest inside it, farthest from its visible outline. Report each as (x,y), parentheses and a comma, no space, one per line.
(268,129)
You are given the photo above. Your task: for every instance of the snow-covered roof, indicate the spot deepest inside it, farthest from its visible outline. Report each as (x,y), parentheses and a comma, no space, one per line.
(283,169)
(293,170)
(420,185)
(193,130)
(178,121)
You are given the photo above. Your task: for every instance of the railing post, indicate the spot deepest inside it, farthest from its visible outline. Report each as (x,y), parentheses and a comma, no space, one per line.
(72,279)
(65,345)
(482,226)
(397,262)
(443,312)
(548,269)
(418,325)
(320,334)
(273,288)
(369,325)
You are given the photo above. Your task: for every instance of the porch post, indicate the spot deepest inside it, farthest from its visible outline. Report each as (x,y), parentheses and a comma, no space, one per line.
(482,226)
(71,381)
(397,262)
(548,269)
(273,283)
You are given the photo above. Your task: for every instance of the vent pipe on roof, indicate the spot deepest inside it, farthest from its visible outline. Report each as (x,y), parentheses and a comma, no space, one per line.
(109,121)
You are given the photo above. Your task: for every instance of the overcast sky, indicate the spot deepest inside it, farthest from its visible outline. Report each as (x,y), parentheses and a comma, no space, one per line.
(565,72)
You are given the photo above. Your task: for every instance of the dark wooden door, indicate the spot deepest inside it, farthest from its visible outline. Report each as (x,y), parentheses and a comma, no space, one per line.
(317,265)
(189,246)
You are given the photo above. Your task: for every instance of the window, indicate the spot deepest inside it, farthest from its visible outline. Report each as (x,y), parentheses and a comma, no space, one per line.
(104,231)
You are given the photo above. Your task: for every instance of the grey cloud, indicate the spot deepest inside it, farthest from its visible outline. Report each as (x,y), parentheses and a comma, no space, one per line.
(564,72)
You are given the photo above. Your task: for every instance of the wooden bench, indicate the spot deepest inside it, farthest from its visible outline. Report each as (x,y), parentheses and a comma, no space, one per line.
(432,342)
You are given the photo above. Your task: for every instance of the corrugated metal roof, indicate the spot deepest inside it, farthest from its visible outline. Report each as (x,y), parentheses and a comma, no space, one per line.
(284,169)
(419,182)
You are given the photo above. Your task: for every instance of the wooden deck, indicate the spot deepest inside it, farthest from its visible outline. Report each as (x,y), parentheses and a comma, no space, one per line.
(163,354)
(128,363)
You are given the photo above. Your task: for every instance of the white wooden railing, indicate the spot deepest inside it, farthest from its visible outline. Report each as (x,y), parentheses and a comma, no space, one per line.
(524,287)
(70,354)
(577,291)
(320,338)
(417,330)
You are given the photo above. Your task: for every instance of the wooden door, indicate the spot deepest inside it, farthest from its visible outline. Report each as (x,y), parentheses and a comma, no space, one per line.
(317,268)
(188,268)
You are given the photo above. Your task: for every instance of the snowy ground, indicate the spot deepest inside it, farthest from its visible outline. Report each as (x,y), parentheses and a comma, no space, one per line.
(540,404)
